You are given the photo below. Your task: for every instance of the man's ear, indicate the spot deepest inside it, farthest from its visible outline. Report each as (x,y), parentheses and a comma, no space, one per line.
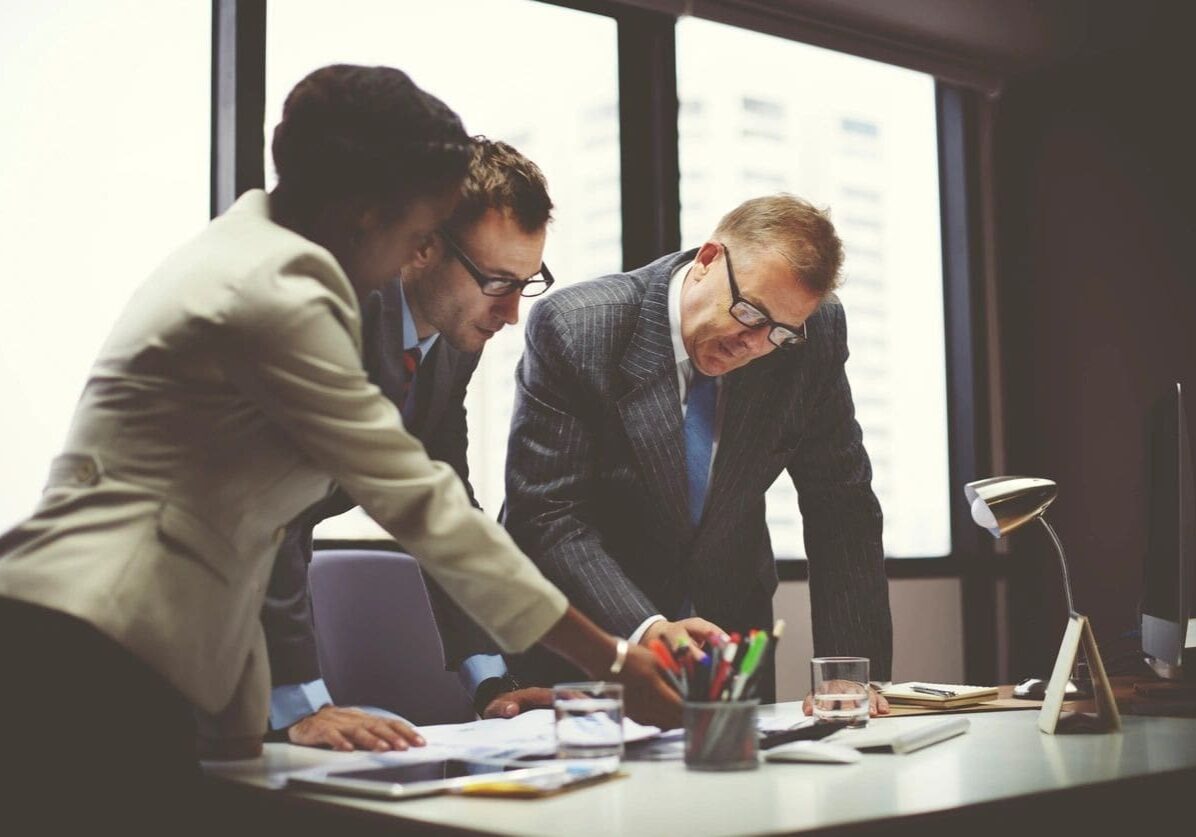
(427,251)
(707,255)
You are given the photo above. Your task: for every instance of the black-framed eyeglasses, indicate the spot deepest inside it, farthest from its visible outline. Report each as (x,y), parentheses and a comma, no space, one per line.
(496,286)
(746,313)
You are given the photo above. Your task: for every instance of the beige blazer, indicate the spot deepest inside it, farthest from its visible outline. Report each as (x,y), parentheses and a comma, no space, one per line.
(227,399)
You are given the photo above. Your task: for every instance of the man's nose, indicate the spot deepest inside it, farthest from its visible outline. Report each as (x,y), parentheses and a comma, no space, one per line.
(507,308)
(756,341)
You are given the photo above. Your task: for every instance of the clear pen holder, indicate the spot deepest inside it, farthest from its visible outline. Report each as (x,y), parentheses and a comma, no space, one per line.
(721,735)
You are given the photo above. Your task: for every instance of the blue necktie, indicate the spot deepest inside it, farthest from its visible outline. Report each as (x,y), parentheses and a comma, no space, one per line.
(699,440)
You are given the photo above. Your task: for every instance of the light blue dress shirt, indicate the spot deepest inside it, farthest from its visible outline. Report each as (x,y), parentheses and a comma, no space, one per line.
(292,703)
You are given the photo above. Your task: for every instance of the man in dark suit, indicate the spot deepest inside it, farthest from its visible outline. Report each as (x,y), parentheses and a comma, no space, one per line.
(655,408)
(423,336)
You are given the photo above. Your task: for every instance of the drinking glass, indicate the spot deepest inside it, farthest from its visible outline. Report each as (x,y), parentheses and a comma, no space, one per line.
(840,689)
(589,720)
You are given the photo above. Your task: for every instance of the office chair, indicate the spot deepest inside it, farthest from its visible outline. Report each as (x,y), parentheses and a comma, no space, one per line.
(377,639)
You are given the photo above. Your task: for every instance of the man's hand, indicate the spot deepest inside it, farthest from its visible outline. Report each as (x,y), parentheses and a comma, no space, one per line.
(877,705)
(349,729)
(510,704)
(693,629)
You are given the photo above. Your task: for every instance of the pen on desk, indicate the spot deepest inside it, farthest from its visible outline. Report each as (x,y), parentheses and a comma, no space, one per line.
(684,657)
(930,690)
(766,661)
(724,669)
(700,683)
(751,662)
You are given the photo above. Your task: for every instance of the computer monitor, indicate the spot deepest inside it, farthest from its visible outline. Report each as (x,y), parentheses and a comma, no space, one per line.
(1169,588)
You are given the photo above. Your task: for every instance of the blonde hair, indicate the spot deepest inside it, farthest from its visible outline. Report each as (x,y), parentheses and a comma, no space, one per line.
(795,229)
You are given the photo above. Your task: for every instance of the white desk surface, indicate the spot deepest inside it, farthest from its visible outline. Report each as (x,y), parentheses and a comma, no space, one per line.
(1003,755)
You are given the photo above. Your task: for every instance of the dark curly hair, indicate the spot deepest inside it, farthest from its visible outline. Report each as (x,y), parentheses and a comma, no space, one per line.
(367,134)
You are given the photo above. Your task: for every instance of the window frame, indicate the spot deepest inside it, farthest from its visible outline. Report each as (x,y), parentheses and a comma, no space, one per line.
(651,215)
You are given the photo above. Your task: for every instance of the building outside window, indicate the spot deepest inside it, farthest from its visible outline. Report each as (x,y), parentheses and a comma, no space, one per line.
(859,137)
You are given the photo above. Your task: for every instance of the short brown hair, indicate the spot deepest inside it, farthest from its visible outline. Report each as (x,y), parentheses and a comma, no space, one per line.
(501,178)
(795,229)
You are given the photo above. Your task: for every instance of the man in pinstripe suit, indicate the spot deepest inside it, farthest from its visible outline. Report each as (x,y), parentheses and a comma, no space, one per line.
(654,409)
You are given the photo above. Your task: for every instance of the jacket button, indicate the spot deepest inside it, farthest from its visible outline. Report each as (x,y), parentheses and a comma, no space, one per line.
(85,472)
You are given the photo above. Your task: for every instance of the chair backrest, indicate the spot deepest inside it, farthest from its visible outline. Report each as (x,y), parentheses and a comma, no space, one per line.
(377,637)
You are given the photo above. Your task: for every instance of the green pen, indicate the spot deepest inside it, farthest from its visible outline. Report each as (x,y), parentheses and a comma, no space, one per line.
(751,660)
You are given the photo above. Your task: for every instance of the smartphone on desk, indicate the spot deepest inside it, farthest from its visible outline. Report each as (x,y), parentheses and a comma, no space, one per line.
(806,732)
(409,780)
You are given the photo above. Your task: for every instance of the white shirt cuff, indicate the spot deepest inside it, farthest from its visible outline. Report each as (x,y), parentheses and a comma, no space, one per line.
(293,703)
(473,670)
(638,633)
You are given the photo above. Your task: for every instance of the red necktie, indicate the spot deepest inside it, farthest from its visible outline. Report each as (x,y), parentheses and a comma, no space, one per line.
(411,358)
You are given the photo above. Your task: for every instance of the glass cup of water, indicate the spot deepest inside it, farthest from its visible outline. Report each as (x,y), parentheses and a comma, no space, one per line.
(840,689)
(589,720)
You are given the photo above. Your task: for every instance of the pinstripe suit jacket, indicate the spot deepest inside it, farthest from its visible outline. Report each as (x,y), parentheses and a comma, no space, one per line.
(596,482)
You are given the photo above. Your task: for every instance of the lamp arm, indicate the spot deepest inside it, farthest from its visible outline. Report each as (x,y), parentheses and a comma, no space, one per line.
(1071,608)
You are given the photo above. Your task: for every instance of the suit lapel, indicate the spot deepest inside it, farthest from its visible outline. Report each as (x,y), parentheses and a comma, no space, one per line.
(651,407)
(433,385)
(757,403)
(384,353)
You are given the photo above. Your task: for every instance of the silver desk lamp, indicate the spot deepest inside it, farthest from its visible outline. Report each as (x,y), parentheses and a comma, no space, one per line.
(1002,505)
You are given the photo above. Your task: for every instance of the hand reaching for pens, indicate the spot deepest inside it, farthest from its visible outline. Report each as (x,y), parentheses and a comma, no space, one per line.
(510,704)
(647,695)
(877,705)
(692,632)
(350,729)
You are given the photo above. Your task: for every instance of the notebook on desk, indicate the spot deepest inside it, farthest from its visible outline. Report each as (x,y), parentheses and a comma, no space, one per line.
(937,695)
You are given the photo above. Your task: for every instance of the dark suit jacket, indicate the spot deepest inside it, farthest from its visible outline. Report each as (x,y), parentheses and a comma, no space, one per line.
(596,482)
(438,420)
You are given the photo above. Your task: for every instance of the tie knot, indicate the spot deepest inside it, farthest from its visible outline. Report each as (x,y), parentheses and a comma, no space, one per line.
(700,380)
(411,359)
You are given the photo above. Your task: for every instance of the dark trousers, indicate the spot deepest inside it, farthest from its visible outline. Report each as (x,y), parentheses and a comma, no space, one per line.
(94,740)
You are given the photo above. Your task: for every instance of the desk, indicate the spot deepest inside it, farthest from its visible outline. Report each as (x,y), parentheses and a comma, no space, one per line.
(1002,770)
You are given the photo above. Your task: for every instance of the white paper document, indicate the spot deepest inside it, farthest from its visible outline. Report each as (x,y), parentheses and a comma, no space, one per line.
(529,734)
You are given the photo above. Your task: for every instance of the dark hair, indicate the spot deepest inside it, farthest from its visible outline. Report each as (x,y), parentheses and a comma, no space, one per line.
(367,134)
(501,178)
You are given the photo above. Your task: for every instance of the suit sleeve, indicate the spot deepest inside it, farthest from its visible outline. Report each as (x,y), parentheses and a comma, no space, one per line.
(302,369)
(849,592)
(550,467)
(286,611)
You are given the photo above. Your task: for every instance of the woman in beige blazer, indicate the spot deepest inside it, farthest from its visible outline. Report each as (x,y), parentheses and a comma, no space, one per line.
(228,398)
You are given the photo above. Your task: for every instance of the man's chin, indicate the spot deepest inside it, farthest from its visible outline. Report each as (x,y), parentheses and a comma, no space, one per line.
(471,342)
(721,365)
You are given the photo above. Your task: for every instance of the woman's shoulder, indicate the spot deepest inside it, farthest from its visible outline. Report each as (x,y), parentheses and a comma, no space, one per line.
(253,271)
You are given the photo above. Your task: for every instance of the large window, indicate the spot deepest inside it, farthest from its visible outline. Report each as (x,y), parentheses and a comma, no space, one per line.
(548,85)
(104,157)
(760,114)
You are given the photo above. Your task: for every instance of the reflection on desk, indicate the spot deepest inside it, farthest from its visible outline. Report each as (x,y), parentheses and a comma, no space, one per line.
(1003,766)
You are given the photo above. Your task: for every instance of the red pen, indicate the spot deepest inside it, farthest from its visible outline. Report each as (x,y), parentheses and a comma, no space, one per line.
(662,653)
(724,668)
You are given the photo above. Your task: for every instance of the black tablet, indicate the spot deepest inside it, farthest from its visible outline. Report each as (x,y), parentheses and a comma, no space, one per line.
(407,780)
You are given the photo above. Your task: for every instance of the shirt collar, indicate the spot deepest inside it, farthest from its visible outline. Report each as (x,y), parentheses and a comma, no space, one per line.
(680,355)
(410,338)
